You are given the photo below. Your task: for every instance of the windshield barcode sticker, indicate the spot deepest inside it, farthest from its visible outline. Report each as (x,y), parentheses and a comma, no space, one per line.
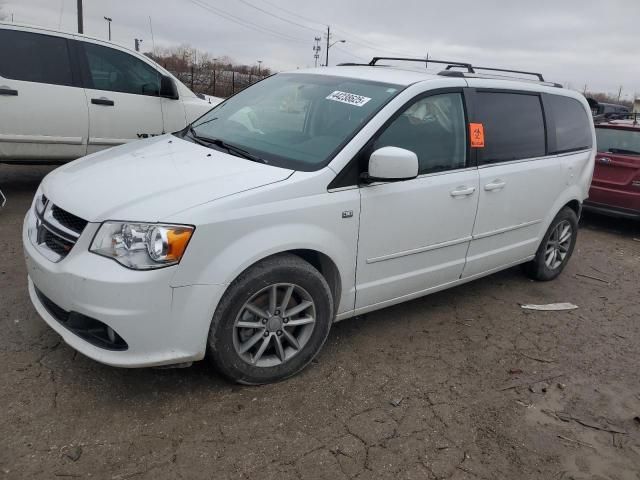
(350,98)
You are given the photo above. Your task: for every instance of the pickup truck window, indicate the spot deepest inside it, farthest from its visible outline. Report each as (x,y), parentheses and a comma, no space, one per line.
(32,57)
(116,71)
(297,121)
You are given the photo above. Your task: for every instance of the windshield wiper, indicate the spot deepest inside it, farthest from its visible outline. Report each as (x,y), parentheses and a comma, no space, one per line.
(232,149)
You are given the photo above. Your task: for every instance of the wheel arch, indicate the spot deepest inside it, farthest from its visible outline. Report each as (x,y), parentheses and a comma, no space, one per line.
(321,261)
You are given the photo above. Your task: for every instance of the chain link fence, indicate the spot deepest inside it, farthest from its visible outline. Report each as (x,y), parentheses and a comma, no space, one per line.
(218,82)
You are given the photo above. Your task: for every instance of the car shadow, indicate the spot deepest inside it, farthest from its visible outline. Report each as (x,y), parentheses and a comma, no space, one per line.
(616,225)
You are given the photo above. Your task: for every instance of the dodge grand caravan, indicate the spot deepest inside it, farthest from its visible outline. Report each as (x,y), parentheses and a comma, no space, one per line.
(310,197)
(64,95)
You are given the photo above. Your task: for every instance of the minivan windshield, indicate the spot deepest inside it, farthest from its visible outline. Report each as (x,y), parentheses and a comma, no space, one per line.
(612,140)
(297,121)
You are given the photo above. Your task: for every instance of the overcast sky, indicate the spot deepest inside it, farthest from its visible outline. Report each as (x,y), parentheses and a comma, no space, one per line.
(575,42)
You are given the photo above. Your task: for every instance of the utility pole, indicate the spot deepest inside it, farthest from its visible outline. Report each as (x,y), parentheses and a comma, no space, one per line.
(329,45)
(619,93)
(138,42)
(316,50)
(326,63)
(259,65)
(80,23)
(108,19)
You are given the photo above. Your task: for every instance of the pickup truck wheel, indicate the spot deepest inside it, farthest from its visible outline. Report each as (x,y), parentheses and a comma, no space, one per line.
(556,247)
(271,322)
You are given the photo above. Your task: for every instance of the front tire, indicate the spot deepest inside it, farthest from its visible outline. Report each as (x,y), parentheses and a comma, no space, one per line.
(556,247)
(271,322)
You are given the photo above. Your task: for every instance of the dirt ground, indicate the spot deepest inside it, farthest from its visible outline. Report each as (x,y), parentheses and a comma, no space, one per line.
(463,384)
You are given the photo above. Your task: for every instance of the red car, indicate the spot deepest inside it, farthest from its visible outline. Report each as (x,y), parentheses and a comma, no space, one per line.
(615,189)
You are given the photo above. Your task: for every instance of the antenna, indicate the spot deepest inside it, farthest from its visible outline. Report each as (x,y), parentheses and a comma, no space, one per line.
(153,47)
(153,42)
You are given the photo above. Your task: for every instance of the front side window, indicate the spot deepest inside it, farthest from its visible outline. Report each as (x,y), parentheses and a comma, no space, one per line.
(613,140)
(32,57)
(432,128)
(572,129)
(117,71)
(296,121)
(513,126)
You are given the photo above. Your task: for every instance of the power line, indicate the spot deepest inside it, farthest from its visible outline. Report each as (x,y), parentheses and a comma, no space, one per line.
(350,37)
(242,22)
(306,19)
(351,54)
(362,42)
(278,16)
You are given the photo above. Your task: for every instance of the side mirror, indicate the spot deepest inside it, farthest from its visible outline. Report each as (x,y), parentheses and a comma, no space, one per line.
(168,88)
(392,164)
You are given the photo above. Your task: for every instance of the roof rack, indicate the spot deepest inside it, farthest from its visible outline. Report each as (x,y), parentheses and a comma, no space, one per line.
(520,72)
(426,61)
(451,65)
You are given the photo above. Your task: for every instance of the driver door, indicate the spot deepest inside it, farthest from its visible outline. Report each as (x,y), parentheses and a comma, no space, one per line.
(123,96)
(414,234)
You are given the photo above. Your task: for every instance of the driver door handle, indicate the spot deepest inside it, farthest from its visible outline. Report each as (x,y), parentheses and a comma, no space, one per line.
(495,185)
(103,101)
(463,191)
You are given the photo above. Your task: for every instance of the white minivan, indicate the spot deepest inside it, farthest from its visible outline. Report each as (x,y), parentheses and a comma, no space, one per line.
(65,95)
(310,197)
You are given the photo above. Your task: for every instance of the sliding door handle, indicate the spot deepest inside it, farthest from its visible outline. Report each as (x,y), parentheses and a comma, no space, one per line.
(8,91)
(103,101)
(495,185)
(462,191)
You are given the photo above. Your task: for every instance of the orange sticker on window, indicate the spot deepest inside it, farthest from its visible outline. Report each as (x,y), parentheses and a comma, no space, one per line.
(476,130)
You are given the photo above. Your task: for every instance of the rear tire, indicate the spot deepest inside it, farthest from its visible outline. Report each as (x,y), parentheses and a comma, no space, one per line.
(271,322)
(556,247)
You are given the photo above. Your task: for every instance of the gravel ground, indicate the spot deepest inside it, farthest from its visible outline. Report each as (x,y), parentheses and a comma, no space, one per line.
(463,384)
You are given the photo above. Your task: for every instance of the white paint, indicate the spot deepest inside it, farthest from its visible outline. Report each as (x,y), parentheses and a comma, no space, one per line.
(405,238)
(55,122)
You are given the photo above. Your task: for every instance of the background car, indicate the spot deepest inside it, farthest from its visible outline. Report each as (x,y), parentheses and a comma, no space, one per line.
(63,96)
(615,189)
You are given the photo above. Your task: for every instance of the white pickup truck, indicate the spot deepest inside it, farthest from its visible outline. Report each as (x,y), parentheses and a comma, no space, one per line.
(64,95)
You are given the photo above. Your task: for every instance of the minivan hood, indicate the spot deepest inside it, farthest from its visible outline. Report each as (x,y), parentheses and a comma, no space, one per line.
(151,179)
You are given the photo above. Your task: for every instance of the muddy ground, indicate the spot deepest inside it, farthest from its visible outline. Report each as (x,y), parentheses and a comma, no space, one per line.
(463,384)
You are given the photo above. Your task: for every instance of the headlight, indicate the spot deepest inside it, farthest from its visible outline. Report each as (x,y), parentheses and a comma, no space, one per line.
(142,246)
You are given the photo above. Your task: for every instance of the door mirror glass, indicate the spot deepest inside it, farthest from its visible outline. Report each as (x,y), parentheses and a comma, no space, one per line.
(168,88)
(389,164)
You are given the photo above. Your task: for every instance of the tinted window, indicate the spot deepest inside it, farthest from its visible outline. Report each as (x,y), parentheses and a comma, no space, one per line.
(117,71)
(34,58)
(434,129)
(572,129)
(513,126)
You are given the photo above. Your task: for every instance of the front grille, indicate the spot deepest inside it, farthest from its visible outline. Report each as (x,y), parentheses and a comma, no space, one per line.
(68,220)
(89,329)
(58,244)
(57,230)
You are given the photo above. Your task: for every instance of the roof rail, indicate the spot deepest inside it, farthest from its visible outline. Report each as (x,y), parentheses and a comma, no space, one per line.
(491,69)
(449,72)
(426,61)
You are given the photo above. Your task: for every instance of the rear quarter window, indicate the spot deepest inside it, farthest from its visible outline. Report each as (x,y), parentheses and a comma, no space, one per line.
(513,126)
(570,124)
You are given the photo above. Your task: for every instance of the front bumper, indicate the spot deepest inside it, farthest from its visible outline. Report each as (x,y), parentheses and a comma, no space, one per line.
(160,324)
